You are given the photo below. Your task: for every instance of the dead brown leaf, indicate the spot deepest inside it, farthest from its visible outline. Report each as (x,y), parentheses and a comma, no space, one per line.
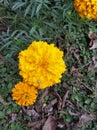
(76,56)
(93,42)
(59,104)
(70,50)
(85,118)
(36,124)
(94,59)
(64,98)
(32,112)
(64,85)
(92,36)
(93,66)
(49,107)
(94,46)
(79,85)
(61,123)
(13,117)
(96,86)
(59,44)
(50,124)
(44,93)
(74,72)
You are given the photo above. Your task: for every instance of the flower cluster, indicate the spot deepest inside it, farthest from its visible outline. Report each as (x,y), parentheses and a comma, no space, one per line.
(41,65)
(86,8)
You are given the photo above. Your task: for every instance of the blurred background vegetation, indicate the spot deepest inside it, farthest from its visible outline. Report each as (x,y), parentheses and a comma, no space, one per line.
(54,21)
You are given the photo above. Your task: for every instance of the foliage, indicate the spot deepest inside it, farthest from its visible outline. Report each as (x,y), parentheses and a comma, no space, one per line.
(54,21)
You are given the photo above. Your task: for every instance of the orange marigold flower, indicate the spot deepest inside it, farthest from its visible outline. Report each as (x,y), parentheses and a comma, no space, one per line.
(86,8)
(24,94)
(41,64)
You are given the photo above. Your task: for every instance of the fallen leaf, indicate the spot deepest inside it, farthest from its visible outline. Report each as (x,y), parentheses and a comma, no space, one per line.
(50,124)
(59,44)
(76,56)
(70,50)
(94,46)
(64,98)
(74,72)
(93,65)
(32,128)
(59,104)
(85,118)
(79,85)
(96,86)
(94,59)
(49,107)
(92,36)
(60,123)
(93,42)
(32,113)
(44,93)
(91,68)
(64,85)
(13,118)
(36,124)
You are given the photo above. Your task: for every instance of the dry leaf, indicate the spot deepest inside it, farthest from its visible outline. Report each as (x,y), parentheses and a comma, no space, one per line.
(96,86)
(92,36)
(13,117)
(61,123)
(76,56)
(64,85)
(44,93)
(94,59)
(64,98)
(92,66)
(59,44)
(85,118)
(50,124)
(93,42)
(78,85)
(49,107)
(36,124)
(59,100)
(74,72)
(32,113)
(94,46)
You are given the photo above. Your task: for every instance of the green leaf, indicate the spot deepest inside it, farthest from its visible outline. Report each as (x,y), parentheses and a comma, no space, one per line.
(38,8)
(18,5)
(2,114)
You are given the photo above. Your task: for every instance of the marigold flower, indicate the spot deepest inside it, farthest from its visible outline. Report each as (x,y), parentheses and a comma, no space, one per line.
(87,8)
(24,94)
(41,64)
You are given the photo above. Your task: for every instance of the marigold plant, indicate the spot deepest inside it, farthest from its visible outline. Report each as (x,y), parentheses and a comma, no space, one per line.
(87,8)
(24,94)
(41,64)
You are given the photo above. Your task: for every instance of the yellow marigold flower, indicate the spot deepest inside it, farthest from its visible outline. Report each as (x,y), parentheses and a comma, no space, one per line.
(24,94)
(41,64)
(86,8)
